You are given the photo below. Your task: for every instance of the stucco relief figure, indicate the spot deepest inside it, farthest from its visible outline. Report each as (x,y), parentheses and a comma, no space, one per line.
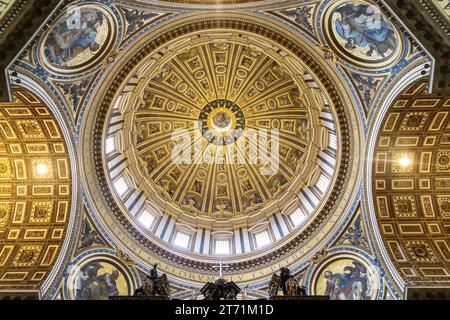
(364,26)
(191,204)
(142,133)
(154,285)
(286,283)
(136,19)
(148,162)
(72,35)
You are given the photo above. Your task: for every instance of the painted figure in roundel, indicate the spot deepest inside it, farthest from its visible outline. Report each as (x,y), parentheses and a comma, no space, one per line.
(99,281)
(352,284)
(76,37)
(363,31)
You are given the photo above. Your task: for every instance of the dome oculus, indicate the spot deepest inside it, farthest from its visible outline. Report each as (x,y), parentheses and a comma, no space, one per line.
(221,122)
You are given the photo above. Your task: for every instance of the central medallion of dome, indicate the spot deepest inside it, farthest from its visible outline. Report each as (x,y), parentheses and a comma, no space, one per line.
(221,122)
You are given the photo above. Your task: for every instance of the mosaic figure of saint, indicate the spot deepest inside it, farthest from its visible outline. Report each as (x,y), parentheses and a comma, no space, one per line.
(352,284)
(73,35)
(92,286)
(364,26)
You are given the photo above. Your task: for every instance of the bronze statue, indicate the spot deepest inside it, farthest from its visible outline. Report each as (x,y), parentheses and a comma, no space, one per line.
(288,284)
(220,290)
(154,285)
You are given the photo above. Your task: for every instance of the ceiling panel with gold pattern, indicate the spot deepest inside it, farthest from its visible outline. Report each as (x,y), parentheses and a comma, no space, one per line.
(35,192)
(411,185)
(215,5)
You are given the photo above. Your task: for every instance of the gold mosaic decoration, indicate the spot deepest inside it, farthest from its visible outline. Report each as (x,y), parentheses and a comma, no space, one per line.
(35,192)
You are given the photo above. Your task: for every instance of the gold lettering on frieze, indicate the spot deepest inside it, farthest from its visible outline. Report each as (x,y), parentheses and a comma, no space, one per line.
(149,259)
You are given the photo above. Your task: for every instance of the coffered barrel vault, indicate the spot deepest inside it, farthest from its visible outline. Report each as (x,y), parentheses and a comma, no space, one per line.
(411,184)
(35,192)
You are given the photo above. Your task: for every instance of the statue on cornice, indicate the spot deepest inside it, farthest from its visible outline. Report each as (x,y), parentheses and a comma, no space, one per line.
(287,283)
(154,285)
(220,290)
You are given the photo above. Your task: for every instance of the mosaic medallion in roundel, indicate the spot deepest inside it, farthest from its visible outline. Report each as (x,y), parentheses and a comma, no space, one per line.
(79,38)
(346,278)
(99,279)
(361,33)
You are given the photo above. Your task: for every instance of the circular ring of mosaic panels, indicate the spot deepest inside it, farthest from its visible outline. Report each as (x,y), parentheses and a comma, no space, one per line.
(184,190)
(178,262)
